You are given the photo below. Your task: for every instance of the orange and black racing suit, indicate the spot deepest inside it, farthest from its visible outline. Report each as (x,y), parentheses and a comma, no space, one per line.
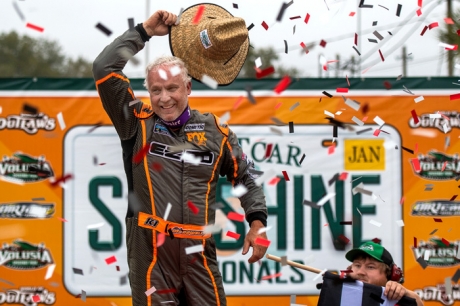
(162,176)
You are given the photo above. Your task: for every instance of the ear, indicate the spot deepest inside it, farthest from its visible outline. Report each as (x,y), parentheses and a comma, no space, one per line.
(189,88)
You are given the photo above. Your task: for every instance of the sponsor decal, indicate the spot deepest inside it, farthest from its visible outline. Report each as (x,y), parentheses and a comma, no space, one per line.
(440,254)
(23,255)
(29,123)
(436,208)
(27,295)
(164,151)
(25,168)
(367,248)
(194,127)
(438,166)
(26,210)
(438,294)
(151,222)
(161,129)
(444,121)
(179,230)
(197,138)
(205,39)
(364,154)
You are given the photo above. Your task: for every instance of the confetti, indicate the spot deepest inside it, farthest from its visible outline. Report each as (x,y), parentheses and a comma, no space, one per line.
(356,39)
(276,131)
(271,276)
(265,72)
(265,25)
(373,222)
(61,219)
(343,239)
(326,198)
(235,216)
(286,176)
(377,132)
(414,115)
(250,26)
(60,119)
(433,25)
(283,8)
(265,176)
(455,97)
(398,10)
(110,260)
(156,167)
(233,235)
(307,18)
(165,291)
(357,51)
(264,229)
(353,104)
(239,190)
(235,5)
(377,34)
(50,271)
(141,154)
(150,291)
(453,198)
(422,262)
(456,276)
(379,121)
(34,27)
(419,12)
(210,82)
(192,207)
(38,199)
(331,149)
(62,179)
(268,150)
(381,56)
(357,121)
(283,84)
(437,219)
(345,90)
(424,30)
(400,223)
(304,47)
(346,222)
(374,23)
(77,271)
(285,46)
(323,43)
(94,226)
(362,5)
(434,231)
(262,242)
(325,270)
(448,286)
(446,243)
(329,114)
(291,127)
(448,20)
(103,29)
(295,17)
(194,249)
(198,15)
(18,11)
(302,158)
(351,14)
(416,164)
(327,94)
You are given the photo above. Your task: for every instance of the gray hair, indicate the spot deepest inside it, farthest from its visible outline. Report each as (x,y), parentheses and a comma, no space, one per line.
(166,60)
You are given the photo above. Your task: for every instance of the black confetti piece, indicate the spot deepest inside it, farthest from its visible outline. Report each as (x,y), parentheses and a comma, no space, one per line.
(123,280)
(95,127)
(18,11)
(311,204)
(38,199)
(255,172)
(130,23)
(250,26)
(235,5)
(362,5)
(333,179)
(327,94)
(29,109)
(334,131)
(384,7)
(357,51)
(377,34)
(77,271)
(281,12)
(250,96)
(456,276)
(103,29)
(398,10)
(364,131)
(374,23)
(407,149)
(422,262)
(302,158)
(372,40)
(285,47)
(434,231)
(453,198)
(291,127)
(346,222)
(217,205)
(171,233)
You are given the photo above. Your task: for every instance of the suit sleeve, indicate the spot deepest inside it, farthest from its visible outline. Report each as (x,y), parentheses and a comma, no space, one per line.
(237,168)
(113,86)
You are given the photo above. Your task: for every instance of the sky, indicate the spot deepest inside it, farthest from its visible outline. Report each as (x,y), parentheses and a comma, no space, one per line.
(73,24)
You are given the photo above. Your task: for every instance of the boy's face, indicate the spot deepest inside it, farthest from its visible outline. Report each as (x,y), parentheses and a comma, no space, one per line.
(368,270)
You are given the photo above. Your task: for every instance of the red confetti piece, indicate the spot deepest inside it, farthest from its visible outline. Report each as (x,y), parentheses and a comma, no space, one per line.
(402,200)
(262,242)
(387,85)
(274,181)
(265,25)
(165,291)
(198,15)
(34,27)
(381,56)
(235,216)
(443,166)
(455,47)
(414,115)
(62,179)
(364,119)
(110,260)
(238,102)
(377,240)
(419,3)
(424,30)
(36,298)
(307,18)
(343,176)
(376,132)
(415,242)
(102,164)
(141,154)
(323,43)
(192,207)
(458,32)
(416,164)
(265,72)
(160,239)
(295,17)
(447,243)
(344,239)
(118,268)
(437,219)
(356,39)
(286,176)
(455,97)
(348,81)
(331,149)
(342,90)
(419,12)
(268,150)
(157,167)
(233,235)
(304,47)
(271,276)
(453,197)
(433,25)
(283,84)
(278,105)
(448,20)
(352,14)
(61,219)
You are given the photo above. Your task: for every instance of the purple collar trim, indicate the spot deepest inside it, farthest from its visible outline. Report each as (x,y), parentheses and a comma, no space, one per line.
(180,121)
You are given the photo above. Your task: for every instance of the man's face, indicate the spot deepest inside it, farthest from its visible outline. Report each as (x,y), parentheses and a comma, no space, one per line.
(168,97)
(369,270)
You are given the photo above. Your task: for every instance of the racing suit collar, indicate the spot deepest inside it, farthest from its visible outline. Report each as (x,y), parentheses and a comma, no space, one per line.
(180,121)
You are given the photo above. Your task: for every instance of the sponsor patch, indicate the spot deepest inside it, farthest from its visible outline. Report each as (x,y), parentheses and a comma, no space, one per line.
(194,127)
(29,123)
(438,166)
(162,150)
(23,168)
(26,210)
(22,255)
(439,254)
(205,39)
(198,138)
(436,208)
(161,129)
(438,294)
(444,121)
(28,296)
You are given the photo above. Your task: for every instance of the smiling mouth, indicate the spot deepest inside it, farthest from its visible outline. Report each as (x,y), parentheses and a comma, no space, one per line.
(168,107)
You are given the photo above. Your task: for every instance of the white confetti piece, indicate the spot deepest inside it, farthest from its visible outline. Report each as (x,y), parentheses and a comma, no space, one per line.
(190,158)
(239,191)
(353,104)
(448,285)
(400,223)
(379,121)
(60,119)
(276,131)
(356,188)
(212,228)
(150,291)
(93,226)
(294,106)
(357,121)
(373,222)
(168,209)
(319,274)
(83,295)
(175,70)
(50,271)
(326,198)
(419,99)
(435,116)
(445,128)
(427,254)
(38,212)
(208,81)
(224,119)
(359,211)
(338,113)
(267,175)
(266,229)
(134,102)
(329,114)
(163,74)
(258,62)
(194,249)
(0,109)
(446,45)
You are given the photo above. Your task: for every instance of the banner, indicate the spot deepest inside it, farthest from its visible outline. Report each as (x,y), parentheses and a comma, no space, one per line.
(389,172)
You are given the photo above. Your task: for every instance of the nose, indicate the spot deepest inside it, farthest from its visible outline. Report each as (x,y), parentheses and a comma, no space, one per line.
(360,270)
(164,96)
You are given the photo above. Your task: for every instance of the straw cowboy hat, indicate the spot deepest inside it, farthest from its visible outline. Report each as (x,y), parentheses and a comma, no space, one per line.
(216,46)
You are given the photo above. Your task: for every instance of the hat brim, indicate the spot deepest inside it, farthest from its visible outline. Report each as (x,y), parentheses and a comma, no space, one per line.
(352,254)
(180,43)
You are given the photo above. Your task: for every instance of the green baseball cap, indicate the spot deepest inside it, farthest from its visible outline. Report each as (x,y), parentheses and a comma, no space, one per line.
(373,250)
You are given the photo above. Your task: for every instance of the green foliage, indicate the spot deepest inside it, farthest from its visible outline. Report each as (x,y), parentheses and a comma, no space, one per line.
(23,56)
(268,56)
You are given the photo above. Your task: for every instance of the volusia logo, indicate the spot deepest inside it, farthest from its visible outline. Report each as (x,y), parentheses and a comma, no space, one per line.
(438,166)
(22,255)
(24,296)
(26,210)
(29,123)
(449,119)
(440,254)
(438,294)
(25,168)
(436,208)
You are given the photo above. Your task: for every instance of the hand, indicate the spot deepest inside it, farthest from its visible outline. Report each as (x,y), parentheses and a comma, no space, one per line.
(394,290)
(158,23)
(258,251)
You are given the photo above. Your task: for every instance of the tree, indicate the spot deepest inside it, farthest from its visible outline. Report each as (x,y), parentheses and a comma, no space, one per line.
(268,56)
(448,34)
(23,56)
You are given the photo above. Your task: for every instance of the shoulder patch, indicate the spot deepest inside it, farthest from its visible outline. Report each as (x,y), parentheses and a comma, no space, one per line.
(222,128)
(143,111)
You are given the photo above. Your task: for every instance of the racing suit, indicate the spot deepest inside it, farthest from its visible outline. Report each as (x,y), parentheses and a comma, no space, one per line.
(162,176)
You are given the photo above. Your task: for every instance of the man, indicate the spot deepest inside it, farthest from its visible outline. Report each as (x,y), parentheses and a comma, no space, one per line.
(373,264)
(173,157)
